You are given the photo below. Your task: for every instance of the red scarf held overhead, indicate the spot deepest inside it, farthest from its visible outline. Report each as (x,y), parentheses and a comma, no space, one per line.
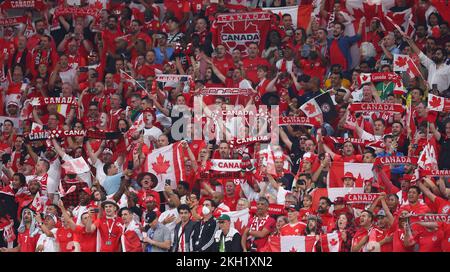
(378,107)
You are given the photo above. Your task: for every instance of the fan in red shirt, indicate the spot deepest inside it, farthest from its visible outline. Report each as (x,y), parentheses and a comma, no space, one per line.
(178,8)
(293,227)
(361,236)
(110,34)
(414,206)
(221,61)
(307,209)
(132,235)
(252,62)
(109,226)
(28,234)
(381,233)
(147,181)
(231,195)
(259,227)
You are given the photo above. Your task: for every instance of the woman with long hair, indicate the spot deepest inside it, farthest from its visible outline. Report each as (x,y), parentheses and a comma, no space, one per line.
(347,229)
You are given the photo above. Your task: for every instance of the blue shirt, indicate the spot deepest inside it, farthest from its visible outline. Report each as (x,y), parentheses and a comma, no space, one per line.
(159,58)
(112,183)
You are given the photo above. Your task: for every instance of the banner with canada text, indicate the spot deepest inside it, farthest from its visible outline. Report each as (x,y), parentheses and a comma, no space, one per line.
(239,30)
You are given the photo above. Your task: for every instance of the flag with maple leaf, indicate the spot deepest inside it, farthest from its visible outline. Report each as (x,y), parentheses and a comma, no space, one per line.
(397,20)
(332,194)
(438,103)
(76,166)
(166,163)
(361,171)
(237,31)
(404,63)
(297,243)
(239,219)
(320,108)
(428,159)
(331,242)
(38,203)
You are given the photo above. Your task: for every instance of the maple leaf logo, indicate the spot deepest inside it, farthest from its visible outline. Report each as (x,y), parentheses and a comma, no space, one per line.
(310,108)
(36,129)
(293,249)
(161,165)
(401,61)
(333,242)
(435,102)
(364,78)
(238,226)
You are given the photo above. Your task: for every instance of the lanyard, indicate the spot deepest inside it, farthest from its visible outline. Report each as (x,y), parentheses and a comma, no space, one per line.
(110,228)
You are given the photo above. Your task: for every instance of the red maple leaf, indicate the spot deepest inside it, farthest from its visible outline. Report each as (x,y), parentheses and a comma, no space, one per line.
(364,78)
(310,108)
(435,102)
(333,242)
(161,165)
(238,226)
(293,249)
(37,129)
(401,61)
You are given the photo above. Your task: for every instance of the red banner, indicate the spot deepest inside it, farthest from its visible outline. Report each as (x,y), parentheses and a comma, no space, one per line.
(23,4)
(392,160)
(375,77)
(361,198)
(274,209)
(226,91)
(431,217)
(356,141)
(249,141)
(39,101)
(76,11)
(297,121)
(237,31)
(11,21)
(434,173)
(367,107)
(66,133)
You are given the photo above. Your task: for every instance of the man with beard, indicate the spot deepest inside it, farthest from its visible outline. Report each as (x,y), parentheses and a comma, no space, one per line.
(438,70)
(49,183)
(84,204)
(381,233)
(109,35)
(340,45)
(34,40)
(28,234)
(325,215)
(259,227)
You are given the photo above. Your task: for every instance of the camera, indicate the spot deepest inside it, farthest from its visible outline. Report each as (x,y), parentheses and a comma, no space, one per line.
(300,182)
(130,165)
(83,69)
(168,182)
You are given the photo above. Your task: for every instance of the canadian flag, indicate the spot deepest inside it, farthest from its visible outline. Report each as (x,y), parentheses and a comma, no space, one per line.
(298,243)
(38,204)
(166,163)
(365,78)
(36,128)
(427,158)
(332,194)
(438,103)
(404,63)
(331,242)
(396,19)
(63,193)
(301,15)
(76,166)
(361,171)
(312,109)
(138,125)
(239,219)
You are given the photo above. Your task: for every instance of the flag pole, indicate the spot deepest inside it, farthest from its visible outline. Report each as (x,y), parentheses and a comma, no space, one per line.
(125,73)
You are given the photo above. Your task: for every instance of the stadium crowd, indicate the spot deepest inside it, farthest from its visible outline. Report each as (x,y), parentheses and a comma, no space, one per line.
(93,93)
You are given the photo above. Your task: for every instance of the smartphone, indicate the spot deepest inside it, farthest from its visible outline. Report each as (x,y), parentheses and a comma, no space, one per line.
(130,165)
(83,69)
(96,210)
(168,182)
(434,87)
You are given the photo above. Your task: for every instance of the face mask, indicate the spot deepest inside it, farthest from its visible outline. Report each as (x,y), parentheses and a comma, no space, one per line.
(205,210)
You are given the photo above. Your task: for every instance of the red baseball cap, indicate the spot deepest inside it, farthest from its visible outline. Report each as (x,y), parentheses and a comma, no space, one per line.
(348,175)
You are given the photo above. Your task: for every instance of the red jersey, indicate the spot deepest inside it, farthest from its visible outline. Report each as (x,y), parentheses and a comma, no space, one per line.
(64,237)
(258,224)
(352,158)
(143,194)
(305,212)
(26,242)
(378,234)
(223,65)
(178,8)
(359,235)
(110,231)
(296,229)
(429,241)
(337,57)
(87,241)
(108,38)
(251,68)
